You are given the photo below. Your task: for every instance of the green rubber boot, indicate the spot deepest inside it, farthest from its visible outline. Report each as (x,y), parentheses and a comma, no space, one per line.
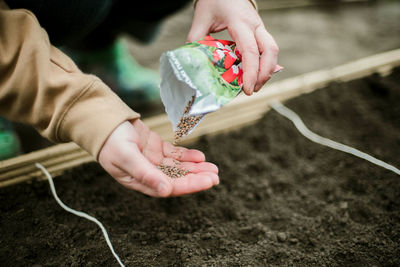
(137,86)
(9,142)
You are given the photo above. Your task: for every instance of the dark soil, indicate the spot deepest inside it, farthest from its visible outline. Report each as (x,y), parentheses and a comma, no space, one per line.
(283,200)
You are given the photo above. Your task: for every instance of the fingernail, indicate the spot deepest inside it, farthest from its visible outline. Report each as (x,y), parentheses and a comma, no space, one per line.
(162,189)
(250,91)
(215,179)
(278,68)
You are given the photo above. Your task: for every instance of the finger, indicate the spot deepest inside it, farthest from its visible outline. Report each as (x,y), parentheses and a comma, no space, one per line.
(200,26)
(199,167)
(269,56)
(182,154)
(247,45)
(191,166)
(142,171)
(192,183)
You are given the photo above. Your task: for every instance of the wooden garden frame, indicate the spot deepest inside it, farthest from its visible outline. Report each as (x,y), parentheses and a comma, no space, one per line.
(240,112)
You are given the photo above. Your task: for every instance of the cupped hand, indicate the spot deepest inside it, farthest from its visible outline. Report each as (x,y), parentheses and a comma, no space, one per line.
(132,154)
(258,48)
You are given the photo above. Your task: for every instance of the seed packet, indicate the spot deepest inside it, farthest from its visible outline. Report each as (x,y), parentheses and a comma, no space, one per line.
(199,78)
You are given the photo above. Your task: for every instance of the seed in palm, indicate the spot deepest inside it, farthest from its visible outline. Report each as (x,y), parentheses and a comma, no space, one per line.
(173,171)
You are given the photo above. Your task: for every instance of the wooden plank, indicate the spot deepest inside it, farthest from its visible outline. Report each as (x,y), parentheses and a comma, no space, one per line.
(48,162)
(37,156)
(240,112)
(54,170)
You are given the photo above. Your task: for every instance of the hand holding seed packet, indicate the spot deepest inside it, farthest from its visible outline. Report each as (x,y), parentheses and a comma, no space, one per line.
(199,78)
(245,26)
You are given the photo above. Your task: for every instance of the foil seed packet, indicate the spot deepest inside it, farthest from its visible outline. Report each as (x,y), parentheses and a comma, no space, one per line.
(199,78)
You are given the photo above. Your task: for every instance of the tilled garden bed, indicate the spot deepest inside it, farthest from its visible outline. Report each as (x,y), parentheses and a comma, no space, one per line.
(283,200)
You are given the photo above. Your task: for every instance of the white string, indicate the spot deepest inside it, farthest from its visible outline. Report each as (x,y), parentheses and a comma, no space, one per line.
(291,115)
(78,213)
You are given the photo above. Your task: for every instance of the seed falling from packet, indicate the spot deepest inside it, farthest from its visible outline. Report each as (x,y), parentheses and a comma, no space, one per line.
(199,78)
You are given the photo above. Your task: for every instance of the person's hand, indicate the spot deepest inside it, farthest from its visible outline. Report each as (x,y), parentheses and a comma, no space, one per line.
(132,153)
(258,48)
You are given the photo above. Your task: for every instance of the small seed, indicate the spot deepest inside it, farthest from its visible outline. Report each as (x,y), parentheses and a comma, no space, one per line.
(173,171)
(186,122)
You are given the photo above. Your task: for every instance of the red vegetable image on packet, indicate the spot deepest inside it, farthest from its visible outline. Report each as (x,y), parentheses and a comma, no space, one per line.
(207,74)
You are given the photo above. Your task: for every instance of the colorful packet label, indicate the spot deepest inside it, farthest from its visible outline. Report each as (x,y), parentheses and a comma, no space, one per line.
(207,73)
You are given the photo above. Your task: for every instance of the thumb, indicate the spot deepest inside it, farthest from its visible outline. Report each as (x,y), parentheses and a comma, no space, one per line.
(200,27)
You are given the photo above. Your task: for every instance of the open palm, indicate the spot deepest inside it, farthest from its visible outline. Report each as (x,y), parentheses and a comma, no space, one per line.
(132,154)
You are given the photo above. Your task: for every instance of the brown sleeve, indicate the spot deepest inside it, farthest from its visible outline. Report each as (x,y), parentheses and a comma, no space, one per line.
(41,86)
